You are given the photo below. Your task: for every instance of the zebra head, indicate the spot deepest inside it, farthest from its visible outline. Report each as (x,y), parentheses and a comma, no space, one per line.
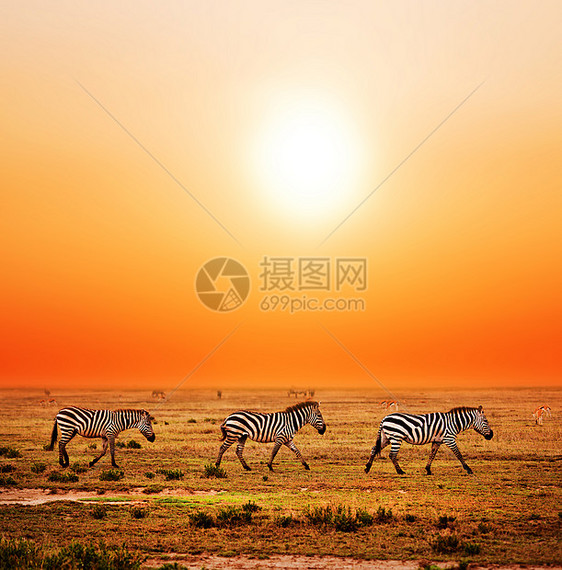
(480,424)
(315,418)
(145,426)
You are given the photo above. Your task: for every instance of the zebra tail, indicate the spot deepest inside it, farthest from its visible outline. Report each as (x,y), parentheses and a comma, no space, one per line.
(223,430)
(54,435)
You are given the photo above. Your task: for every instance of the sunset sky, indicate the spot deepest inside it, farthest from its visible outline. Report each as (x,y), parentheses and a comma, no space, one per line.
(140,140)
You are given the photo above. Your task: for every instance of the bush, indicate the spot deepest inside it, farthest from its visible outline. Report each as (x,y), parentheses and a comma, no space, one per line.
(384,515)
(230,515)
(66,477)
(8,481)
(446,544)
(410,518)
(192,421)
(341,517)
(138,512)
(344,520)
(111,475)
(150,475)
(10,452)
(79,467)
(201,519)
(99,511)
(251,507)
(471,548)
(211,470)
(284,520)
(443,521)
(171,474)
(38,467)
(7,468)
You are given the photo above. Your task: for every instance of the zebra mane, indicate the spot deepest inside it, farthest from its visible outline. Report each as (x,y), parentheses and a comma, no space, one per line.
(301,405)
(462,409)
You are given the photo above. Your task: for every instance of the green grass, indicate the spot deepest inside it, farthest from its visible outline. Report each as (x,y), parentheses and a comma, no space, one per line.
(508,511)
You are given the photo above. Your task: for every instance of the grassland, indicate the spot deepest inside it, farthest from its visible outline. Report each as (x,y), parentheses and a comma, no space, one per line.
(162,505)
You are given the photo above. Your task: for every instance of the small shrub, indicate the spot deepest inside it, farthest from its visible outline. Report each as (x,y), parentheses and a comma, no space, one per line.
(443,521)
(7,468)
(10,452)
(79,467)
(171,566)
(201,519)
(138,512)
(534,517)
(251,507)
(384,515)
(364,518)
(410,518)
(8,481)
(192,421)
(150,475)
(265,478)
(233,515)
(344,520)
(471,548)
(484,528)
(99,511)
(120,444)
(38,467)
(173,474)
(111,475)
(211,470)
(66,477)
(132,444)
(284,521)
(446,544)
(93,445)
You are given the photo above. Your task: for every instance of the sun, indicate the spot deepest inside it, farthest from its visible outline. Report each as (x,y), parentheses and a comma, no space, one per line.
(307,158)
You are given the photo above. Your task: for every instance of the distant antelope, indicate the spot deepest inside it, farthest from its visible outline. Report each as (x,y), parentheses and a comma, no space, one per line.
(540,412)
(43,402)
(51,402)
(158,394)
(386,404)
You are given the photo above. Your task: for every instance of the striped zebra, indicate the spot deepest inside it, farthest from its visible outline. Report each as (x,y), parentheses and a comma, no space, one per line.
(106,424)
(278,427)
(436,428)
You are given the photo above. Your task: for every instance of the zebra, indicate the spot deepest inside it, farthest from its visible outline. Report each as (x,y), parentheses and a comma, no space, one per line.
(436,428)
(106,424)
(278,427)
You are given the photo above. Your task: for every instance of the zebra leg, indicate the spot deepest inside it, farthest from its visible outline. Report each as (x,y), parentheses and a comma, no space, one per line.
(227,443)
(240,451)
(452,445)
(64,439)
(382,442)
(291,445)
(112,450)
(276,448)
(394,449)
(434,450)
(103,452)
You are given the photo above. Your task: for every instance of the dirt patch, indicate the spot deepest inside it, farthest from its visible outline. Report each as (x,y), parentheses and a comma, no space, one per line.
(318,563)
(42,496)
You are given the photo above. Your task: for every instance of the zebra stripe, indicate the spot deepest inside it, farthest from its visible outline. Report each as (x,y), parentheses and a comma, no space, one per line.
(106,424)
(435,428)
(277,427)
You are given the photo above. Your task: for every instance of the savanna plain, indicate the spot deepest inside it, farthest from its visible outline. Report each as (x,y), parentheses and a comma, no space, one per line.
(166,506)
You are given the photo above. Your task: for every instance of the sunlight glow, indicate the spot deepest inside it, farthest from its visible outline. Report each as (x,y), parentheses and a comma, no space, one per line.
(308,159)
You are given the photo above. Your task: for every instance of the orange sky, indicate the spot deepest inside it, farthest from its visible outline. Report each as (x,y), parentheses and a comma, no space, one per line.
(100,246)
